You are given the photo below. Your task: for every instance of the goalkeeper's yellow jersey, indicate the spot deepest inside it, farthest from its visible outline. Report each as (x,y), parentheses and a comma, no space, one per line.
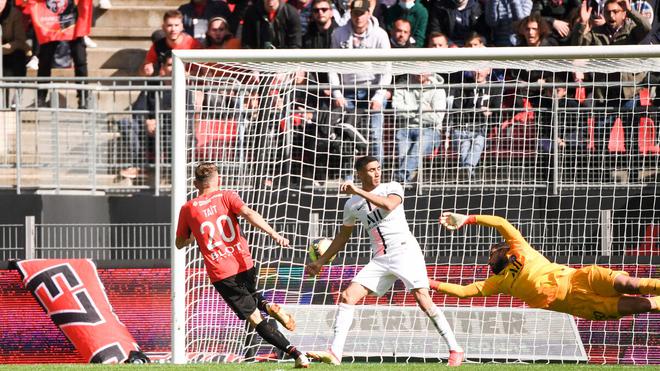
(528,276)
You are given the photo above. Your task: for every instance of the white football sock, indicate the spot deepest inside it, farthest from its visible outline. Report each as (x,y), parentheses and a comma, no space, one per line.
(441,324)
(343,323)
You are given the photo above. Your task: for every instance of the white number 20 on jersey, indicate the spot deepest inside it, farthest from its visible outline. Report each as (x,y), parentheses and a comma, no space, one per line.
(222,222)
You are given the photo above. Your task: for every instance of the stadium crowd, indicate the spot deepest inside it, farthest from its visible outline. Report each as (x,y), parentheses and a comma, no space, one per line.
(346,24)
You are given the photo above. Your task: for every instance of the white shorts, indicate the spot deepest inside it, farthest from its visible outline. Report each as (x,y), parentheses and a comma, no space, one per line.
(381,272)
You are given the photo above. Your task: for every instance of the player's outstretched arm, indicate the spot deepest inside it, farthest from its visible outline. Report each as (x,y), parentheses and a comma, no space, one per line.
(508,231)
(258,221)
(338,243)
(468,291)
(454,221)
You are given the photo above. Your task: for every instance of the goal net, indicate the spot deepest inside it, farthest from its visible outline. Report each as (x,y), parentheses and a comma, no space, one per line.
(560,141)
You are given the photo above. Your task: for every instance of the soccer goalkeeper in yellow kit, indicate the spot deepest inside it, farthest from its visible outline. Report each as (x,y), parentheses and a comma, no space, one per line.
(592,292)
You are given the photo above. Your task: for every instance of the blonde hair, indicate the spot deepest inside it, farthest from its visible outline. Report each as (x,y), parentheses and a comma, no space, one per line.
(204,171)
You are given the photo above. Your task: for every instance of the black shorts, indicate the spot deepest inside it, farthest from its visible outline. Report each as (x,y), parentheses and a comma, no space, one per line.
(240,292)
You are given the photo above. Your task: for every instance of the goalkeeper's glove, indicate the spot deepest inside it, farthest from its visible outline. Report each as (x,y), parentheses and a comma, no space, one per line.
(453,221)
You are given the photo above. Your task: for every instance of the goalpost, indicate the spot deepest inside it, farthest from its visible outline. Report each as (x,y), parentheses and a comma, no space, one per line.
(572,162)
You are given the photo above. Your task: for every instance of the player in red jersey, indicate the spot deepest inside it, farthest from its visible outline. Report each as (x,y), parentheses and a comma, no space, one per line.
(211,219)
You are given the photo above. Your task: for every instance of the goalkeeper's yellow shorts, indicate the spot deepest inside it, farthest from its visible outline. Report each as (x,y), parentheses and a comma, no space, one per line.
(591,294)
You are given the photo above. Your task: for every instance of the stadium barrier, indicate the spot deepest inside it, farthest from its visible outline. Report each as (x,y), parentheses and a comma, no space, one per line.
(100,146)
(120,243)
(104,148)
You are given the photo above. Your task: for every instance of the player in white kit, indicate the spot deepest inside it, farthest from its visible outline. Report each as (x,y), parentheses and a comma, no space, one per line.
(396,255)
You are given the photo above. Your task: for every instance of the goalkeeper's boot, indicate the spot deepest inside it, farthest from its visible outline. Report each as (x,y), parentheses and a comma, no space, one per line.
(325,357)
(281,316)
(455,358)
(301,362)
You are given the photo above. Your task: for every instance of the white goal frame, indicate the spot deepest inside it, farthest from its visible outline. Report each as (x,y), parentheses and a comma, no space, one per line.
(180,178)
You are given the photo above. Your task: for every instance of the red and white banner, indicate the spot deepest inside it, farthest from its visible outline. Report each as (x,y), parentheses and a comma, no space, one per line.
(60,20)
(72,294)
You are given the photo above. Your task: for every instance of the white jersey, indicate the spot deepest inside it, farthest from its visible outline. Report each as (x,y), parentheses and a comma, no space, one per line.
(388,230)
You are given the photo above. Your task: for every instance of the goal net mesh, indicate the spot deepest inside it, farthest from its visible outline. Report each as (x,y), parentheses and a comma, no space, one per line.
(565,149)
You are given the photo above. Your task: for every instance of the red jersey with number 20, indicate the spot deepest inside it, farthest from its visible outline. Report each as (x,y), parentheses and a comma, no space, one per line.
(213,221)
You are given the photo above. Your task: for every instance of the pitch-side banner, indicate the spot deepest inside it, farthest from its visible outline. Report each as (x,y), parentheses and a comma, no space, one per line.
(72,294)
(483,332)
(60,20)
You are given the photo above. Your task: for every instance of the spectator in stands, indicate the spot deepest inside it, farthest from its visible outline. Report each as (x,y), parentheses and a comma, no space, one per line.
(175,38)
(400,34)
(478,110)
(319,36)
(501,15)
(72,23)
(533,30)
(474,40)
(536,101)
(219,36)
(317,129)
(456,18)
(31,36)
(198,13)
(312,132)
(139,132)
(271,24)
(362,32)
(413,12)
(557,13)
(14,41)
(420,113)
(319,31)
(304,8)
(621,92)
(440,40)
(437,40)
(623,26)
(342,10)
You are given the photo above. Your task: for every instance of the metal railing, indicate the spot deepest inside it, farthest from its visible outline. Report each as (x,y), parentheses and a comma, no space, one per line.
(106,147)
(98,144)
(120,241)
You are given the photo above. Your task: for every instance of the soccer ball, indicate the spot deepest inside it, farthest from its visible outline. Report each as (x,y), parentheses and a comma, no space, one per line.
(318,247)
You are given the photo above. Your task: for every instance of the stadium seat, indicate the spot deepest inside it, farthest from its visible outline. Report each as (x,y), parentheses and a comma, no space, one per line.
(617,141)
(591,141)
(214,137)
(646,140)
(515,138)
(645,97)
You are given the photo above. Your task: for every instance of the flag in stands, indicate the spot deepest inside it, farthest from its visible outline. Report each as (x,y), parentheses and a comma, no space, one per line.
(60,20)
(72,294)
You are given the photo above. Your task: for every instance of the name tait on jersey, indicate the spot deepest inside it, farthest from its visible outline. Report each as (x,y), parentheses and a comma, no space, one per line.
(210,211)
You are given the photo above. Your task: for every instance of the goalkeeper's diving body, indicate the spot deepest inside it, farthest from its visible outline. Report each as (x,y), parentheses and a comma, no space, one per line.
(590,292)
(211,219)
(396,255)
